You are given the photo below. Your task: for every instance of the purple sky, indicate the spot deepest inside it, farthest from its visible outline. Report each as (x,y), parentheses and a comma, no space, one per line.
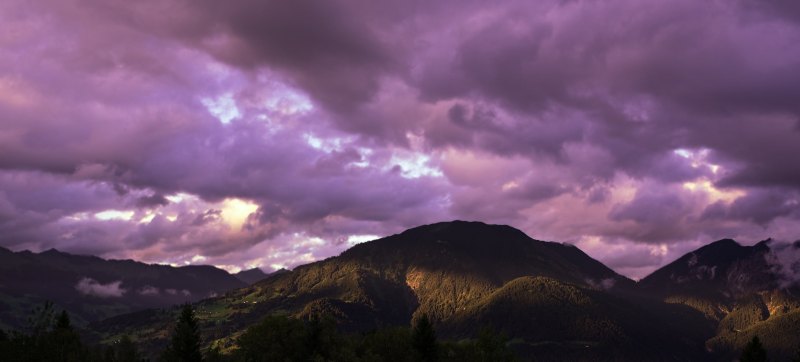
(273,133)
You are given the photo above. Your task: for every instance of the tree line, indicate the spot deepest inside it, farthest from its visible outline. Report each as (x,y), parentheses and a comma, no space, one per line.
(50,336)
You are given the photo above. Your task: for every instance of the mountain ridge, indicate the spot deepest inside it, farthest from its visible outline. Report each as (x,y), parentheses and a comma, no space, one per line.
(466,275)
(451,272)
(92,288)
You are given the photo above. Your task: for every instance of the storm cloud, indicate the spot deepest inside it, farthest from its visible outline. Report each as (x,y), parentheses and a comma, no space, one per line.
(271,133)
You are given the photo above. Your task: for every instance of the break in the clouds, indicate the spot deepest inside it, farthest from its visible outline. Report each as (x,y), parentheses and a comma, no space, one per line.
(272,133)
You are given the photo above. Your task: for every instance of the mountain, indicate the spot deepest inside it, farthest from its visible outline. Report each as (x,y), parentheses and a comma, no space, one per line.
(550,298)
(91,288)
(250,276)
(742,290)
(721,271)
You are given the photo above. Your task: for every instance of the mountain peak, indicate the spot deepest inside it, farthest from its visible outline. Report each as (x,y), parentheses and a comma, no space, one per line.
(498,253)
(51,251)
(465,231)
(251,276)
(720,244)
(720,270)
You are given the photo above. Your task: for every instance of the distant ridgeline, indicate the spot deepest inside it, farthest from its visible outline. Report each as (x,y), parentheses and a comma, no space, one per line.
(483,290)
(91,289)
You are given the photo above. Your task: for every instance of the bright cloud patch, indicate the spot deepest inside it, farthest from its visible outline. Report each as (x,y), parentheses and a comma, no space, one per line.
(236,211)
(114,215)
(89,286)
(148,290)
(223,107)
(358,239)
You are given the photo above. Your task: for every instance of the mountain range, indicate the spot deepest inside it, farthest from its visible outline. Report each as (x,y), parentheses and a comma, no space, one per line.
(91,288)
(552,300)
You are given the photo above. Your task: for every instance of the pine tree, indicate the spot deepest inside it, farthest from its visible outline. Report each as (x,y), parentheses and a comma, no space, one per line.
(185,344)
(491,346)
(754,352)
(41,320)
(423,339)
(62,322)
(213,354)
(126,351)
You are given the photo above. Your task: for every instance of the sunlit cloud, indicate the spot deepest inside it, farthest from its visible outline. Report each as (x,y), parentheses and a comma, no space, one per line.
(114,215)
(714,194)
(223,107)
(413,164)
(236,211)
(358,239)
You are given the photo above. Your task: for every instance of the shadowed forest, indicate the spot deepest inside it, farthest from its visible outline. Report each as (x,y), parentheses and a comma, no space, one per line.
(51,337)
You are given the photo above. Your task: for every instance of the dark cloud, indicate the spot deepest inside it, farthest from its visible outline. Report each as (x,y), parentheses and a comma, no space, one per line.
(758,206)
(154,200)
(336,57)
(658,214)
(270,132)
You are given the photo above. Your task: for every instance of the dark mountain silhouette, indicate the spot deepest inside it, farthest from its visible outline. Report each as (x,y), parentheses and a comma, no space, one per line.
(91,288)
(250,276)
(740,290)
(722,271)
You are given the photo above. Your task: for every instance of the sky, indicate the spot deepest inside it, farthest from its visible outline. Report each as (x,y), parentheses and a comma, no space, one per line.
(266,133)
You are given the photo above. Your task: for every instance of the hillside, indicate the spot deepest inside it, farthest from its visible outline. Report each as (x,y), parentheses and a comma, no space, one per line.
(552,320)
(91,288)
(739,289)
(462,275)
(552,300)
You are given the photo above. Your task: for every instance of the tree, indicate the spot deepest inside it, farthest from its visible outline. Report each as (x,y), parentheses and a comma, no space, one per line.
(213,354)
(125,351)
(387,345)
(275,338)
(48,339)
(41,320)
(63,322)
(185,344)
(492,346)
(754,352)
(282,338)
(64,341)
(423,339)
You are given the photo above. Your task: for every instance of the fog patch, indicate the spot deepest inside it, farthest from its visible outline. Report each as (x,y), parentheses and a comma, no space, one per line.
(784,260)
(89,286)
(604,284)
(149,291)
(183,292)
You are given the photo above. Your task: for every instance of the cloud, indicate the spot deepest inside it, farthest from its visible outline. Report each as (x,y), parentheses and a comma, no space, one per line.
(89,286)
(148,290)
(604,284)
(784,258)
(243,134)
(182,292)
